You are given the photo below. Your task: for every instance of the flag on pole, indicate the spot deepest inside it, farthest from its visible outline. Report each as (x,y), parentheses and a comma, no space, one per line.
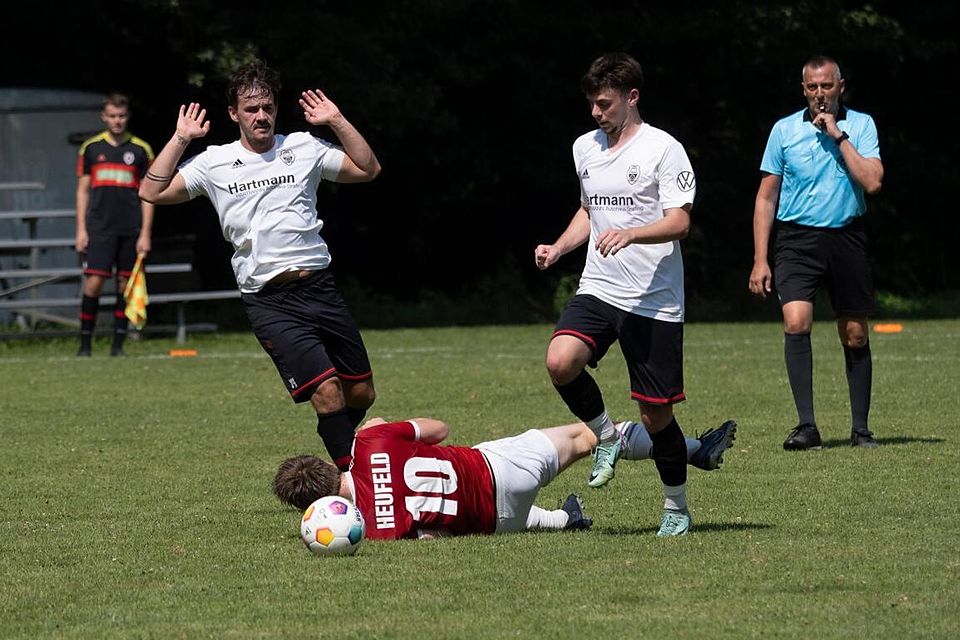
(135,294)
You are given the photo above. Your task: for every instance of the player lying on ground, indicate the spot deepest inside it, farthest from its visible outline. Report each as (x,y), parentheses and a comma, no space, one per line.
(406,486)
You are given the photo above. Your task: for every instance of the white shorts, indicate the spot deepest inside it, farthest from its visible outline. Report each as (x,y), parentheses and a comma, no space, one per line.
(521,465)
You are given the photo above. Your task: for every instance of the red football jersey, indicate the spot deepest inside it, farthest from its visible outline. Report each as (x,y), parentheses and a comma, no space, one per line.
(402,485)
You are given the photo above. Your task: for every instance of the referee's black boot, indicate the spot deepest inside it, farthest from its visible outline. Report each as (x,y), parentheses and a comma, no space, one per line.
(863,440)
(803,437)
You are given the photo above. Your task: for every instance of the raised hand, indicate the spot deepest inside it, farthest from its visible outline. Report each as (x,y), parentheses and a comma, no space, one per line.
(318,109)
(192,123)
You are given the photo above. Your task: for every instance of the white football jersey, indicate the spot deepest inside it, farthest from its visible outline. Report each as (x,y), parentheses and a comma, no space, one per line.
(631,187)
(267,203)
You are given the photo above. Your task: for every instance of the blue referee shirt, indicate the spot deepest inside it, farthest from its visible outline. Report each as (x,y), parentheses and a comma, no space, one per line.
(815,188)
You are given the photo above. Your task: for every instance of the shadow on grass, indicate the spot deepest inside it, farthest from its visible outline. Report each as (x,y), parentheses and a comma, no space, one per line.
(697,528)
(845,442)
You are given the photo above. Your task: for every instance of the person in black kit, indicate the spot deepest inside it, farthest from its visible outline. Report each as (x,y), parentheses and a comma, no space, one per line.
(113,225)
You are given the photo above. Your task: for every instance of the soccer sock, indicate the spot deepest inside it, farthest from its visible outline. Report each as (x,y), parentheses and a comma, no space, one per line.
(799,357)
(119,323)
(603,426)
(88,319)
(669,453)
(637,443)
(336,431)
(860,380)
(540,518)
(675,497)
(356,416)
(582,396)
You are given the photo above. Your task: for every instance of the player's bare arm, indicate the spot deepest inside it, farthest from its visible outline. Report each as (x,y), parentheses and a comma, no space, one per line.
(764,210)
(144,243)
(83,199)
(576,233)
(360,165)
(674,225)
(162,184)
(432,431)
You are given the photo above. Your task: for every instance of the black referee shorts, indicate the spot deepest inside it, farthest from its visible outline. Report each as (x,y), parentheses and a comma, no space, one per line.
(807,258)
(104,252)
(653,349)
(307,330)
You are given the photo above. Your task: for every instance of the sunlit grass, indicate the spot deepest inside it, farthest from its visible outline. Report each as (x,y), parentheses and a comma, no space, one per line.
(135,498)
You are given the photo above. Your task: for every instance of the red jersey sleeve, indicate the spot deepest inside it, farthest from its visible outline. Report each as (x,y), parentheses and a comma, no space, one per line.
(82,168)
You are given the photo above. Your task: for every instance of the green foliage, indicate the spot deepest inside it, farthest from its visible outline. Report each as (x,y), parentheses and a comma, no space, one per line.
(566,289)
(472,108)
(891,305)
(135,502)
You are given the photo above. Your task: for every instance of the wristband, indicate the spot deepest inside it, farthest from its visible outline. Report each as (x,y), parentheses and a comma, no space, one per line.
(843,136)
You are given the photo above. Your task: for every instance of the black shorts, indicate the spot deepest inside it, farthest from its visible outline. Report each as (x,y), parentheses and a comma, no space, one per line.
(307,330)
(808,257)
(652,348)
(106,252)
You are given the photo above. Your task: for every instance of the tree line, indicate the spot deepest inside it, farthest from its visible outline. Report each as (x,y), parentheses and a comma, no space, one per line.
(472,107)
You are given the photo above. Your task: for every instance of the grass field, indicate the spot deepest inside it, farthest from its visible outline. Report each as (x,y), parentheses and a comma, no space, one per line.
(135,499)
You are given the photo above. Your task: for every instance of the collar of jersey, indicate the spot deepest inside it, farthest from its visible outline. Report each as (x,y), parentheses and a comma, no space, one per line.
(273,149)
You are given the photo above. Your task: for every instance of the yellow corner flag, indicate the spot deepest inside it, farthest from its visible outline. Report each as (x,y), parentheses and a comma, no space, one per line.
(135,294)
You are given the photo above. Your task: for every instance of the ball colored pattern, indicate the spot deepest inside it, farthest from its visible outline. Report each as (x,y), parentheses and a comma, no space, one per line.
(325,536)
(332,526)
(356,534)
(338,507)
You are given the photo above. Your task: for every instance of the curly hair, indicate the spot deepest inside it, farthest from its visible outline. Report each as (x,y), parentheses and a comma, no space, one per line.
(252,79)
(618,71)
(301,480)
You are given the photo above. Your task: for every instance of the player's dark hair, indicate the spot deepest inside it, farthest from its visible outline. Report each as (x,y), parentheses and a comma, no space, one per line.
(115,99)
(301,480)
(618,71)
(818,62)
(252,79)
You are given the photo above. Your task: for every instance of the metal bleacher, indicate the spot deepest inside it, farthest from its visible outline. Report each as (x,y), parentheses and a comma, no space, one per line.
(23,287)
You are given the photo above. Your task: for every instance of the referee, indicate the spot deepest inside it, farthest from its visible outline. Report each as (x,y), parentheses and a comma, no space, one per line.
(816,167)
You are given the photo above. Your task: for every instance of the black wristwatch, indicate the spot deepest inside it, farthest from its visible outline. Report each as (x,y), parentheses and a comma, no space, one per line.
(843,136)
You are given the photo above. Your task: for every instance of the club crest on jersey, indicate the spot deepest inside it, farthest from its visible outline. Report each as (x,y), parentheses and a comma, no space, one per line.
(128,157)
(633,172)
(686,180)
(287,157)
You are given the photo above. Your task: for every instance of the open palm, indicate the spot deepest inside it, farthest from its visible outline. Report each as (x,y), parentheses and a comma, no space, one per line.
(192,122)
(317,108)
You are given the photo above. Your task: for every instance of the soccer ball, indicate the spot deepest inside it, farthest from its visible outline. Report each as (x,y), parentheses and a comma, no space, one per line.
(332,526)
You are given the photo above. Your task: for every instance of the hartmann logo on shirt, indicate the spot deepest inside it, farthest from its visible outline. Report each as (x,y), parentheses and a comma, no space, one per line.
(254,185)
(610,201)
